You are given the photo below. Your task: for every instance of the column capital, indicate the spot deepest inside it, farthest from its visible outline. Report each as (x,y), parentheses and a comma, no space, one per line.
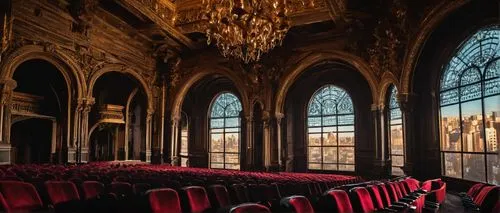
(266,116)
(248,118)
(8,84)
(175,119)
(377,107)
(279,116)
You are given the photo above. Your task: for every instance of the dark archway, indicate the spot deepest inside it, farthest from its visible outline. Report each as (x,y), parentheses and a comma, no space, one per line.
(297,101)
(39,113)
(118,119)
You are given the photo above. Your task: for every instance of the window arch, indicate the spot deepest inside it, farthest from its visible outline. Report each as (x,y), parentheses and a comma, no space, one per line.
(225,128)
(330,127)
(396,133)
(470,109)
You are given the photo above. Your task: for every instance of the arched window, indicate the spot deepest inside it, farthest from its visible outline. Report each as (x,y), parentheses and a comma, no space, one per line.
(396,134)
(470,109)
(225,129)
(330,127)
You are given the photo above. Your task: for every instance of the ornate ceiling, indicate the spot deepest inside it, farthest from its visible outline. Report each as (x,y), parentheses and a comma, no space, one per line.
(179,24)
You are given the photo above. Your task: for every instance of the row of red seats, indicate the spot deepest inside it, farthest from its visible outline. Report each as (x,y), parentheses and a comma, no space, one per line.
(398,195)
(136,173)
(482,197)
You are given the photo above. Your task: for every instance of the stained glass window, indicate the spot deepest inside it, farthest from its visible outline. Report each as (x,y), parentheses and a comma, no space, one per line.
(330,127)
(470,109)
(225,132)
(396,133)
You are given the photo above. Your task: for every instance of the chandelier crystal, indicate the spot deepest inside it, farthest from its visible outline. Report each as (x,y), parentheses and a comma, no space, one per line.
(246,29)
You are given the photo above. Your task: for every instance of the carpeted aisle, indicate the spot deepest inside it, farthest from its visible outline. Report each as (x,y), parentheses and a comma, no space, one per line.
(452,204)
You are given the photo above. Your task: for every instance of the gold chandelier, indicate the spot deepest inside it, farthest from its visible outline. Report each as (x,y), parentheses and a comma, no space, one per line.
(246,29)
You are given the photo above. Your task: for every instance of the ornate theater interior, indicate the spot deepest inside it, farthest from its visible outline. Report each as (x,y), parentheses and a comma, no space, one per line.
(249,106)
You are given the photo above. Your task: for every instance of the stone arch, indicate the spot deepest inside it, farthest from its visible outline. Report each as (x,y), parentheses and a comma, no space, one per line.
(68,67)
(199,75)
(119,68)
(388,80)
(312,59)
(427,26)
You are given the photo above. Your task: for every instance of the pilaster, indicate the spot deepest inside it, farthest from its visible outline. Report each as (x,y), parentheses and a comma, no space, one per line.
(174,151)
(406,103)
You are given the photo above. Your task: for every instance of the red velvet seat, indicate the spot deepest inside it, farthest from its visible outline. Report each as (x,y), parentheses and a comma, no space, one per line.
(196,199)
(362,201)
(249,208)
(241,193)
(61,191)
(164,200)
(376,197)
(218,195)
(297,204)
(487,200)
(64,196)
(92,189)
(475,189)
(436,190)
(337,201)
(18,196)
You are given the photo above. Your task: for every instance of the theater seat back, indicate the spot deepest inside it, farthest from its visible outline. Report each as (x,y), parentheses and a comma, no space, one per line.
(362,200)
(339,200)
(92,189)
(297,204)
(18,196)
(164,200)
(475,189)
(196,198)
(376,196)
(249,208)
(218,195)
(62,191)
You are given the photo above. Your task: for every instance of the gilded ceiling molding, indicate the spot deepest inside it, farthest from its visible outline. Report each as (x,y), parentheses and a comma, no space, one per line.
(162,15)
(337,9)
(388,79)
(119,68)
(427,26)
(66,65)
(309,60)
(198,74)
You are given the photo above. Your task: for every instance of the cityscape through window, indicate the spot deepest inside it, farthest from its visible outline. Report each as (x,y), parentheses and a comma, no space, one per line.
(225,128)
(470,109)
(396,134)
(330,127)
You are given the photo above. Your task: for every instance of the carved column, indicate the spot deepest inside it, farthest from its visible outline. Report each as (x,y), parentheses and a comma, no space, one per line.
(163,100)
(267,139)
(281,155)
(381,168)
(175,161)
(406,103)
(77,131)
(149,134)
(7,90)
(83,152)
(249,142)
